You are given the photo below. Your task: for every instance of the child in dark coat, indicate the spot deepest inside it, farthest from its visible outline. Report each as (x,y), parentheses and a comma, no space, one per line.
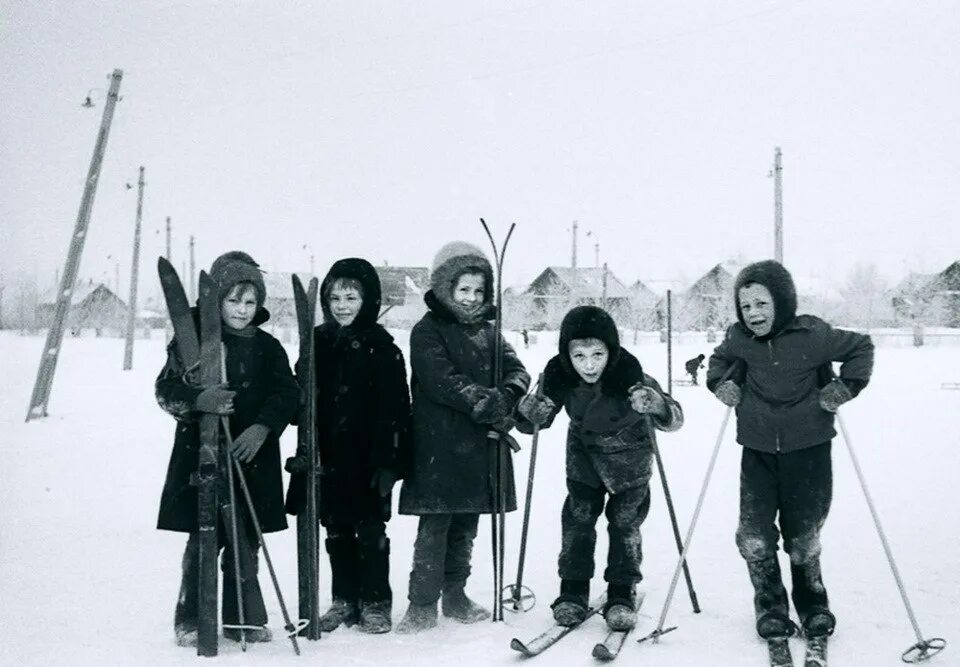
(774,366)
(693,366)
(612,404)
(260,396)
(455,406)
(363,411)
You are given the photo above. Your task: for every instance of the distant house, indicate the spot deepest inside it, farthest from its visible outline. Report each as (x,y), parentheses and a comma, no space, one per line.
(935,301)
(557,288)
(93,306)
(279,301)
(644,301)
(402,289)
(708,302)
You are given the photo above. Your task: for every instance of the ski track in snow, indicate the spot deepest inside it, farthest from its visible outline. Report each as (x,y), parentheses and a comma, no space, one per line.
(86,579)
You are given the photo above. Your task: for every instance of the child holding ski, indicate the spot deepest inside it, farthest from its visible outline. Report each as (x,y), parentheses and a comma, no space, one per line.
(609,400)
(260,396)
(363,410)
(785,400)
(454,408)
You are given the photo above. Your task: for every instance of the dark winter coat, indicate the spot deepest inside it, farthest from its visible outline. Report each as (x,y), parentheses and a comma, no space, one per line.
(267,393)
(780,410)
(451,456)
(608,443)
(363,407)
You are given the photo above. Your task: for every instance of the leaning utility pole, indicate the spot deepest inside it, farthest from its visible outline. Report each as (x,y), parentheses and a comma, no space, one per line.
(51,349)
(134,273)
(777,206)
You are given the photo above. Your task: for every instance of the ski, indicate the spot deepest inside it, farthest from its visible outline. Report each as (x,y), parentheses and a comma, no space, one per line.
(308,531)
(610,647)
(553,634)
(816,652)
(779,648)
(207,473)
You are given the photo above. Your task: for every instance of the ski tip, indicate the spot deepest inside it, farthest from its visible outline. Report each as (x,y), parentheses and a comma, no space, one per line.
(519,646)
(601,652)
(297,283)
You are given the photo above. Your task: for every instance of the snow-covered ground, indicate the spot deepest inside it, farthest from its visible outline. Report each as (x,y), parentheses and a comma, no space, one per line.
(86,579)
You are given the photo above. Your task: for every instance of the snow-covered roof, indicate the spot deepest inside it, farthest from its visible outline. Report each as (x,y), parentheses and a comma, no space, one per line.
(589,281)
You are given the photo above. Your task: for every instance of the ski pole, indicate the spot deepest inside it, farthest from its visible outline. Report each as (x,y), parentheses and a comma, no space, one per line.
(655,635)
(924,649)
(291,628)
(233,517)
(673,516)
(516,591)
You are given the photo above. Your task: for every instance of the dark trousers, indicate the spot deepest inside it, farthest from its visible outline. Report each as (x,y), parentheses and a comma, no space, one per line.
(794,490)
(441,555)
(359,561)
(254,612)
(625,512)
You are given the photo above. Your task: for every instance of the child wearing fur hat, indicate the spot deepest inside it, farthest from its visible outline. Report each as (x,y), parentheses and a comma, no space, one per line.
(612,404)
(363,410)
(260,397)
(775,368)
(455,407)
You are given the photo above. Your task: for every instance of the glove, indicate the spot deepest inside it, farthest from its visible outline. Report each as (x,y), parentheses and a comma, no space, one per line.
(834,394)
(248,443)
(647,401)
(493,407)
(216,400)
(383,480)
(536,409)
(729,393)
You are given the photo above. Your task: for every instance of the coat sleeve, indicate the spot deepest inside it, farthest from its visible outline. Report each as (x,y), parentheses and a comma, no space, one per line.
(720,366)
(173,390)
(674,418)
(283,398)
(854,351)
(391,412)
(435,373)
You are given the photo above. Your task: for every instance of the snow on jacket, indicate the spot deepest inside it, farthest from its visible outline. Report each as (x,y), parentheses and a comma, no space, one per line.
(780,410)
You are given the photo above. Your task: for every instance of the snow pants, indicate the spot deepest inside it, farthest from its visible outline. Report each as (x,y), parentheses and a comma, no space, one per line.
(254,611)
(625,512)
(797,487)
(359,561)
(441,555)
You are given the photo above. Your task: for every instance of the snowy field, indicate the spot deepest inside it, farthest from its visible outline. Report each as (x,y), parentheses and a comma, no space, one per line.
(86,579)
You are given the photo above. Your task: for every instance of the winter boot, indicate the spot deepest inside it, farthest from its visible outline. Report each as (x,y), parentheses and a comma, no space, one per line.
(770,599)
(186,634)
(456,605)
(260,634)
(570,608)
(810,600)
(341,612)
(620,611)
(419,617)
(375,617)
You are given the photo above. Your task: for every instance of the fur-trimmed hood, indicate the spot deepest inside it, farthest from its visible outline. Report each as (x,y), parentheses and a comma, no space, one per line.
(452,261)
(588,322)
(775,277)
(363,272)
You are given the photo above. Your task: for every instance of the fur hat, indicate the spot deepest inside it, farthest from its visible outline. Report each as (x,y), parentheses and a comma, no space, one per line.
(363,272)
(452,261)
(589,322)
(235,267)
(779,282)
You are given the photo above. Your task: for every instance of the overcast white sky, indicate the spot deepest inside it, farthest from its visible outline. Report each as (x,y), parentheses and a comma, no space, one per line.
(384,129)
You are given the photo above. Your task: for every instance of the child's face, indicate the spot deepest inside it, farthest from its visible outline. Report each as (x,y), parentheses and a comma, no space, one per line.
(239,306)
(589,357)
(756,306)
(468,292)
(345,303)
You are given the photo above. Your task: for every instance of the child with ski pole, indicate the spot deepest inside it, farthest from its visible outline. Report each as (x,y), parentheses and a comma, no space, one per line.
(260,397)
(454,408)
(363,410)
(608,398)
(784,403)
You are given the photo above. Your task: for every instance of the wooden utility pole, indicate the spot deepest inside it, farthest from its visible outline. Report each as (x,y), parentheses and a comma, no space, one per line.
(573,268)
(51,349)
(669,342)
(169,255)
(193,277)
(596,253)
(777,205)
(603,302)
(134,275)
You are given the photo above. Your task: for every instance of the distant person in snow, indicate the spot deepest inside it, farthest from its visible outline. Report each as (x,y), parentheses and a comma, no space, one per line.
(363,411)
(774,367)
(526,338)
(260,397)
(694,365)
(455,407)
(613,408)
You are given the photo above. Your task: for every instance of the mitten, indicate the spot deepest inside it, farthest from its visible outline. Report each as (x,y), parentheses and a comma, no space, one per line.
(647,401)
(729,393)
(536,409)
(383,481)
(216,400)
(247,444)
(493,407)
(833,395)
